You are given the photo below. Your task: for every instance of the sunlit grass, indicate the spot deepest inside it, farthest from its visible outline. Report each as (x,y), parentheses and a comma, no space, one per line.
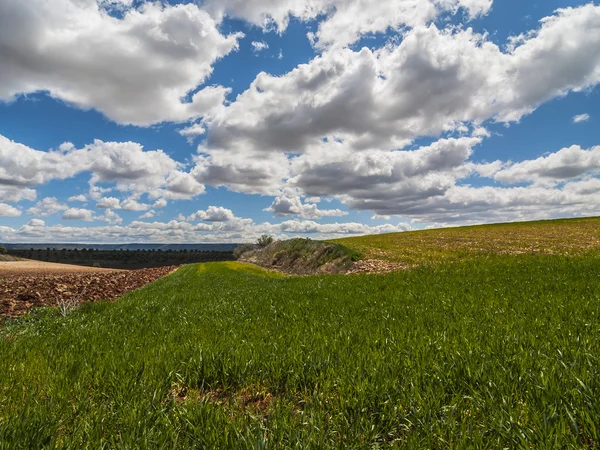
(556,237)
(502,352)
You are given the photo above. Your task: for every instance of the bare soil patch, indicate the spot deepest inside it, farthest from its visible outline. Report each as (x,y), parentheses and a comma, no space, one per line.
(28,267)
(36,284)
(253,400)
(376,266)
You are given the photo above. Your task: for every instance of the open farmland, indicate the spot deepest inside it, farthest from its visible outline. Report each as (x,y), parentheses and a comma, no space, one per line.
(557,237)
(121,259)
(501,351)
(28,284)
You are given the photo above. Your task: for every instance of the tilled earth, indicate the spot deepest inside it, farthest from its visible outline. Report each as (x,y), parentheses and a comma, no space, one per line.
(21,292)
(376,266)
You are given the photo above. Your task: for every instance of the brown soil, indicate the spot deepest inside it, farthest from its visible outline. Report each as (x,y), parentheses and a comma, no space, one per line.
(376,266)
(25,267)
(26,284)
(253,400)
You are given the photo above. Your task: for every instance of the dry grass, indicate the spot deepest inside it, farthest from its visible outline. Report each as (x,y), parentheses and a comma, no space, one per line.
(560,237)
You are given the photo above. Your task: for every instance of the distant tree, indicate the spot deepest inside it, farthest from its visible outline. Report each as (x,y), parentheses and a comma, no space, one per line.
(264,241)
(2,249)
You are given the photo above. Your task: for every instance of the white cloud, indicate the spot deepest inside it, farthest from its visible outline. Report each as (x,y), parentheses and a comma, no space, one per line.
(378,217)
(125,164)
(348,107)
(581,118)
(160,203)
(47,207)
(346,20)
(110,217)
(213,214)
(431,82)
(134,68)
(9,211)
(77,198)
(351,228)
(289,203)
(239,230)
(244,171)
(148,215)
(13,194)
(259,46)
(78,214)
(108,203)
(565,164)
(131,204)
(368,179)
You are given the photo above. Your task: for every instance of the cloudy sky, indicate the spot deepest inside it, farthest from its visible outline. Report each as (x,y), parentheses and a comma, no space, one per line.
(220,120)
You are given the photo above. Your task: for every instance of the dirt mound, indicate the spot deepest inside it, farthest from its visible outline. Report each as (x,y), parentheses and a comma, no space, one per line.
(20,293)
(302,257)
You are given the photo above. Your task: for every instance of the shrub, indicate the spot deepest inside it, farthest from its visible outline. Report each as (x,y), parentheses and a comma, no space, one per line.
(264,241)
(2,250)
(241,249)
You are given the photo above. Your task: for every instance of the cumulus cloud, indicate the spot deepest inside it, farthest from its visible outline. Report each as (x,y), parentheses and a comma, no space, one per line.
(78,214)
(77,198)
(125,164)
(108,203)
(289,203)
(110,217)
(9,211)
(13,194)
(160,203)
(331,125)
(431,82)
(352,228)
(135,67)
(46,207)
(581,118)
(213,214)
(148,215)
(567,163)
(238,230)
(345,20)
(246,171)
(370,179)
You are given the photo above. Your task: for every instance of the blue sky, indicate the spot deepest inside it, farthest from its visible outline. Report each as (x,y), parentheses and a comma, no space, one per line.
(221,121)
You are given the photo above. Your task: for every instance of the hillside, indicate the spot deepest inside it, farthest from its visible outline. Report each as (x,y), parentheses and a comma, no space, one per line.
(554,237)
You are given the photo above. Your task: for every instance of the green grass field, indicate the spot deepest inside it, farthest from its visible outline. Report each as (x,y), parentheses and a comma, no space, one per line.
(501,351)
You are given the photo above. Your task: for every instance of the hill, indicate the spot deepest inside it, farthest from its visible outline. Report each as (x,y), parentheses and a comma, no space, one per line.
(552,237)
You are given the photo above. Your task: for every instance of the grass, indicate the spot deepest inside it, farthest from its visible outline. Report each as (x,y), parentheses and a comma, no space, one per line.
(498,352)
(556,237)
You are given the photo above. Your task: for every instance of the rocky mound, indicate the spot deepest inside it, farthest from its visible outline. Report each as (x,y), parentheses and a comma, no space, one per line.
(302,257)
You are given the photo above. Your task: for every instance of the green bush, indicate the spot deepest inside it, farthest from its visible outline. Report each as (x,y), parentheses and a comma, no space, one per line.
(2,250)
(264,241)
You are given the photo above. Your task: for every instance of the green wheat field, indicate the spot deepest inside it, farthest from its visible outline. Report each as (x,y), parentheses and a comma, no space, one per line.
(490,340)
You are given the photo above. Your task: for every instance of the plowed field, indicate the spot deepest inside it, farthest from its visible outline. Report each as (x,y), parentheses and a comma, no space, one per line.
(25,284)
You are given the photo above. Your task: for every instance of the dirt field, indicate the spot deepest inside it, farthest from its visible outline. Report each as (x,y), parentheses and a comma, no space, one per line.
(25,284)
(26,267)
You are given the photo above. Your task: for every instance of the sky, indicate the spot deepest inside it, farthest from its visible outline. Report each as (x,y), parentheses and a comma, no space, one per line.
(222,120)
